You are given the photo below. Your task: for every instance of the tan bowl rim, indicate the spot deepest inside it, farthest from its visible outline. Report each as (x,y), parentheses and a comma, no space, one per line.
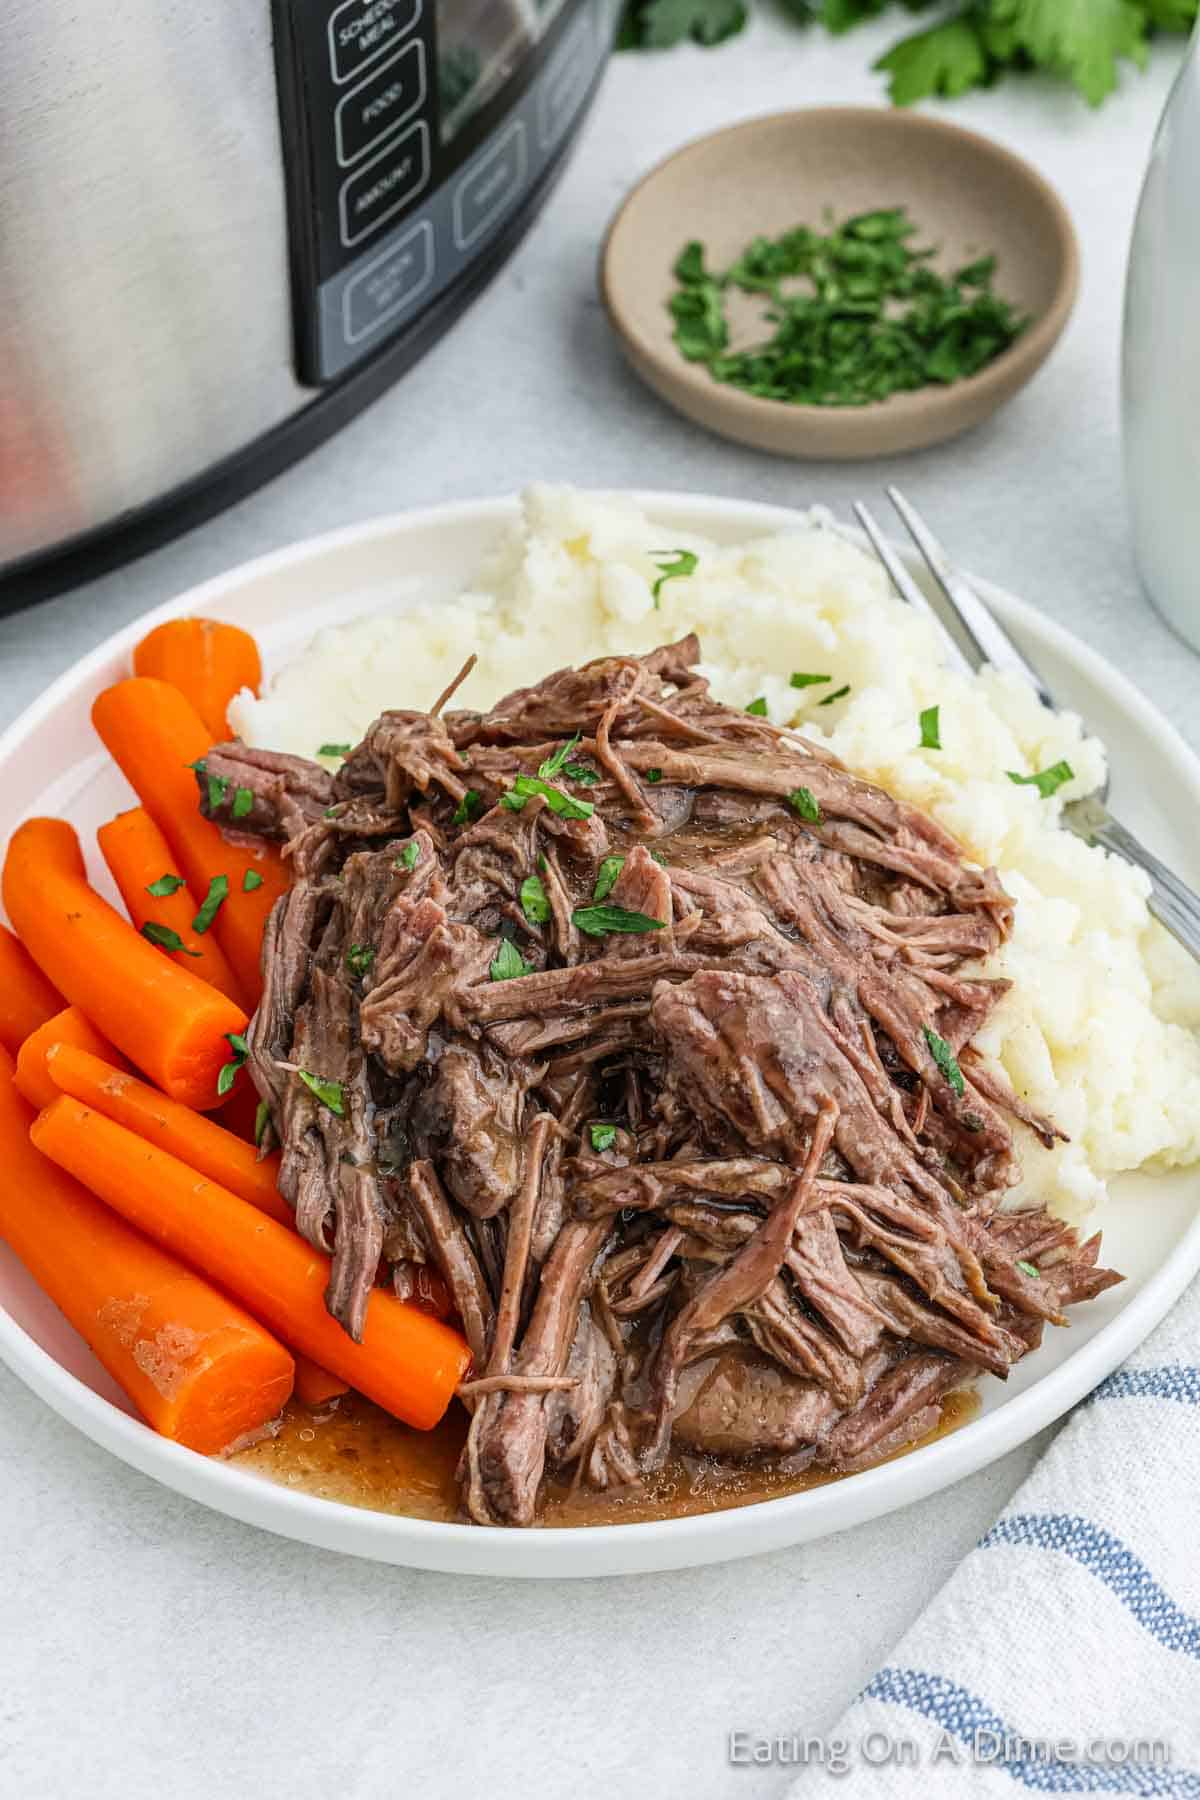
(1031,347)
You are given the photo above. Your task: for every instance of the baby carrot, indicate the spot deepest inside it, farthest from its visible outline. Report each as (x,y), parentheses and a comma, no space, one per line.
(170,1023)
(155,736)
(407,1362)
(156,895)
(27,999)
(208,661)
(197,1367)
(69,1027)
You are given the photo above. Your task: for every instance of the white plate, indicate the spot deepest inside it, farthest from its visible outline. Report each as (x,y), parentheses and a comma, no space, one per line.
(50,762)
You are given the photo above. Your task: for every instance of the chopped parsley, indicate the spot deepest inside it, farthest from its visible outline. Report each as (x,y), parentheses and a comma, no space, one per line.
(805,802)
(218,787)
(243,802)
(653,776)
(758,708)
(508,962)
(603,1136)
(838,694)
(166,884)
(329,1093)
(228,1072)
(218,888)
(1046,781)
(581,773)
(359,958)
(526,786)
(945,1059)
(410,856)
(800,680)
(550,768)
(673,564)
(334,750)
(598,921)
(1027,1268)
(262,1118)
(931,730)
(534,903)
(606,876)
(467,807)
(165,938)
(251,880)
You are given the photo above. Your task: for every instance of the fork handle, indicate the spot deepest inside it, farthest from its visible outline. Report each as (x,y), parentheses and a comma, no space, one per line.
(1171,901)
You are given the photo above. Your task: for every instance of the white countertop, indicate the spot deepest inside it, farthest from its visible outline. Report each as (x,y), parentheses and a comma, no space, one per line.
(150,1646)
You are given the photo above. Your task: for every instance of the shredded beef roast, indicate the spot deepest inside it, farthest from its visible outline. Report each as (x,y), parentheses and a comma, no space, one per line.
(648,1026)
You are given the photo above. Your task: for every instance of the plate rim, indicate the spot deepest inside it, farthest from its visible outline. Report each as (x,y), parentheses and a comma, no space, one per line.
(600,1550)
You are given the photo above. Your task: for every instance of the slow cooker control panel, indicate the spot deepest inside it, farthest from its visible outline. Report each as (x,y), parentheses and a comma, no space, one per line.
(412,132)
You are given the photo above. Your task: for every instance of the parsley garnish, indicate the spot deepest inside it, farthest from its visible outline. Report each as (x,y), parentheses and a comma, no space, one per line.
(598,921)
(606,876)
(218,888)
(581,773)
(1046,781)
(334,750)
(945,1059)
(243,802)
(329,1093)
(1027,1268)
(218,787)
(466,809)
(805,802)
(508,962)
(931,731)
(166,884)
(410,856)
(534,903)
(251,880)
(228,1072)
(653,776)
(165,938)
(262,1118)
(758,707)
(526,786)
(603,1136)
(800,680)
(838,694)
(673,564)
(359,958)
(550,768)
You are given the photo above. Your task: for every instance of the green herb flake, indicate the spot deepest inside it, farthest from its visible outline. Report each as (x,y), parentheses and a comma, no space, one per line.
(359,958)
(218,889)
(410,856)
(838,694)
(603,1137)
(243,802)
(251,880)
(800,680)
(165,938)
(218,787)
(334,750)
(1046,781)
(758,708)
(466,809)
(329,1093)
(606,876)
(653,776)
(534,903)
(262,1118)
(598,921)
(508,963)
(550,768)
(581,773)
(931,730)
(1030,1269)
(228,1072)
(166,884)
(526,786)
(945,1059)
(673,563)
(805,802)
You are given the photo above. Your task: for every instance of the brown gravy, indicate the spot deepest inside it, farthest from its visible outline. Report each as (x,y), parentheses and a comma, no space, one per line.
(353,1452)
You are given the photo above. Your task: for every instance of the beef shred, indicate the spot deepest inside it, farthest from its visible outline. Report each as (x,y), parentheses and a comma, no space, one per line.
(646,1026)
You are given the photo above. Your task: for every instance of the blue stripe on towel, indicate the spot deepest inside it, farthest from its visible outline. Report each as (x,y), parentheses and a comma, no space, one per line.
(1111,1562)
(962,1714)
(1170,1381)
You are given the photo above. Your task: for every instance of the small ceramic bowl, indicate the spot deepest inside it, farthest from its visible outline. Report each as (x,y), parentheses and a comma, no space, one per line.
(963,192)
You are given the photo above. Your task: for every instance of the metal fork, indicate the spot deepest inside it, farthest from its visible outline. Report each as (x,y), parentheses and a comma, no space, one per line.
(974,637)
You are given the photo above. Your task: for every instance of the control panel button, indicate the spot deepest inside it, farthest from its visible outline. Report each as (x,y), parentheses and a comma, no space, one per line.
(384,288)
(563,84)
(385,185)
(491,185)
(361,30)
(380,103)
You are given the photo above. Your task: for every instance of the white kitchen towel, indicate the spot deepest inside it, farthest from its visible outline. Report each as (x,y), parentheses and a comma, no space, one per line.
(1063,1655)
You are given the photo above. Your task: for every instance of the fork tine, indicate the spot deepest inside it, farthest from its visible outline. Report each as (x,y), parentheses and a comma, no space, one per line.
(907,588)
(985,638)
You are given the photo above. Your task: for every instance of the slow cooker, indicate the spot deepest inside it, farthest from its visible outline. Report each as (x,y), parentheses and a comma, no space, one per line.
(225,228)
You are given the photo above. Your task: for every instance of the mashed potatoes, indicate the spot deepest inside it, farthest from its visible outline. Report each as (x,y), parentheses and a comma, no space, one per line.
(1099,1028)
